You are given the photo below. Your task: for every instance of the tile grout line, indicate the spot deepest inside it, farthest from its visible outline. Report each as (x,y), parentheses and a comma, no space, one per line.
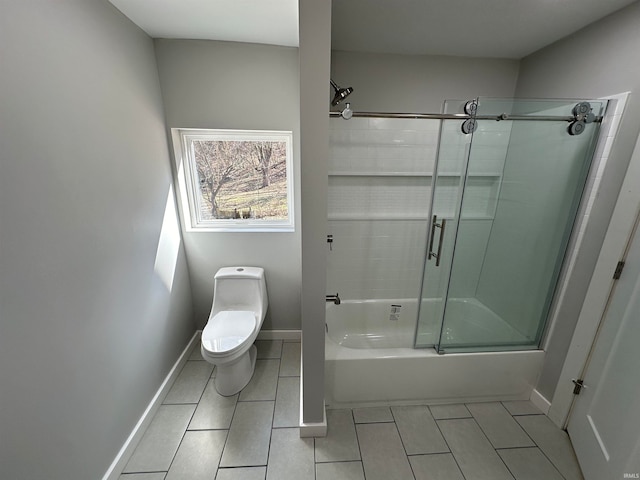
(190,418)
(490,443)
(228,430)
(273,414)
(182,438)
(495,449)
(542,451)
(404,448)
(511,416)
(355,428)
(447,443)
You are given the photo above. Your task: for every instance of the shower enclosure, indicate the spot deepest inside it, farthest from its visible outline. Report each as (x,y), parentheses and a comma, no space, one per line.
(451,232)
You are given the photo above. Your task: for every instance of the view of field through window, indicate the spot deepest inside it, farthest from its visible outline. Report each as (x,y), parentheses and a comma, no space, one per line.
(241,179)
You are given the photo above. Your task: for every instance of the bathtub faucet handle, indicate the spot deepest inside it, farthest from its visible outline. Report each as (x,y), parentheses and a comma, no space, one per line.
(333,298)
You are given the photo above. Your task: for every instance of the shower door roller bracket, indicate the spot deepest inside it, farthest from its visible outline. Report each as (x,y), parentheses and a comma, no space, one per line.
(469,126)
(434,225)
(582,114)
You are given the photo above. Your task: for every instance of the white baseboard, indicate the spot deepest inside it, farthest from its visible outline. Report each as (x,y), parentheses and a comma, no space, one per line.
(539,401)
(307,430)
(118,464)
(294,335)
(313,429)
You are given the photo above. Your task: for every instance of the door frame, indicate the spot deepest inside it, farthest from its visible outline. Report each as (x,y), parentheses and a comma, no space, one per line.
(596,300)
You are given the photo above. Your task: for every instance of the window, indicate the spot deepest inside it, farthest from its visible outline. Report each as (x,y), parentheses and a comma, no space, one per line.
(235,179)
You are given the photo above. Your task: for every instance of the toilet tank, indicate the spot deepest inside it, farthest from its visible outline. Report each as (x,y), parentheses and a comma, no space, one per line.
(240,288)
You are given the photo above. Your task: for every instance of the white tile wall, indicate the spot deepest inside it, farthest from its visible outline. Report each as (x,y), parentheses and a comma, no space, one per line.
(379,194)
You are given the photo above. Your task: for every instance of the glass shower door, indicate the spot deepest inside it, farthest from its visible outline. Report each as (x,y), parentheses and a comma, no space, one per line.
(522,187)
(446,196)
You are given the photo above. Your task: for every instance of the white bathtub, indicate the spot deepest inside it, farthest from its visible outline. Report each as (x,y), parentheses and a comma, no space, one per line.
(370,359)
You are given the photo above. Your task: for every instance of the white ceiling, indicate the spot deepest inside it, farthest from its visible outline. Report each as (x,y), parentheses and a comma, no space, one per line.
(477,28)
(273,22)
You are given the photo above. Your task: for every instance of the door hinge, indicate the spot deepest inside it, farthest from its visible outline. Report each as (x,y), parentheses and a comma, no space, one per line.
(579,384)
(618,272)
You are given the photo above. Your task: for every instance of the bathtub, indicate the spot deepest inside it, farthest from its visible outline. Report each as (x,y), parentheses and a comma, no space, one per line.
(370,359)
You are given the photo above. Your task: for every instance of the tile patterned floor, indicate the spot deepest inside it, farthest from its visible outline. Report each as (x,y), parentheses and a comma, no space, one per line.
(198,434)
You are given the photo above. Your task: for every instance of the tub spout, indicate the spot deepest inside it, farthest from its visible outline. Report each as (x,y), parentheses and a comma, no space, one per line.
(333,298)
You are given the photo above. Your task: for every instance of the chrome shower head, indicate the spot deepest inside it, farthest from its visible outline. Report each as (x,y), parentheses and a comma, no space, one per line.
(339,93)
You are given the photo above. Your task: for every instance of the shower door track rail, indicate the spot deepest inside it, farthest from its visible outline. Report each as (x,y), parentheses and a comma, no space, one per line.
(463,116)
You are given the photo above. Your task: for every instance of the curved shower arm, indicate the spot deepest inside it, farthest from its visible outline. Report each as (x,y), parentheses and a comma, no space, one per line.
(339,93)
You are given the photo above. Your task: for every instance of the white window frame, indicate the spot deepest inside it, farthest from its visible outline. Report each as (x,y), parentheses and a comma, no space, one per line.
(189,187)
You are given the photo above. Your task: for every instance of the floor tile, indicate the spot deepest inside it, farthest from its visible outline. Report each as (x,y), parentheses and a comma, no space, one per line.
(196,353)
(445,412)
(553,442)
(248,439)
(400,442)
(418,430)
(441,466)
(264,382)
(341,442)
(269,348)
(160,442)
(198,455)
(287,412)
(214,411)
(290,366)
(340,471)
(290,457)
(529,464)
(372,415)
(190,384)
(383,455)
(142,476)
(499,426)
(522,407)
(474,454)
(244,473)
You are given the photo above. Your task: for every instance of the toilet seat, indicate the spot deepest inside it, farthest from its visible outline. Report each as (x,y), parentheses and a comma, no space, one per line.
(227,331)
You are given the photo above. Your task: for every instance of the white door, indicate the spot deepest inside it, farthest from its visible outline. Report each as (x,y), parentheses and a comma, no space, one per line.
(605,424)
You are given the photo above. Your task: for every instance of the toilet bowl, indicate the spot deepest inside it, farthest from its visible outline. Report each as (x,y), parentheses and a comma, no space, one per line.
(239,307)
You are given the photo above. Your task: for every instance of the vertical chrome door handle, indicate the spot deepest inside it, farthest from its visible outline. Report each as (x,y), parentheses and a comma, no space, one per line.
(441,226)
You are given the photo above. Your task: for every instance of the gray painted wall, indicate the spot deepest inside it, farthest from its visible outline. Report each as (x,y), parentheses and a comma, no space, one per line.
(419,83)
(209,84)
(599,60)
(314,57)
(89,330)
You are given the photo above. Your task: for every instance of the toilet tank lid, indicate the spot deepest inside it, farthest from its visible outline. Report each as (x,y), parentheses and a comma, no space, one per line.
(240,272)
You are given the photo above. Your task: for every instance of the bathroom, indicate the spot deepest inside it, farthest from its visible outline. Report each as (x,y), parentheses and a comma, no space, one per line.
(90,327)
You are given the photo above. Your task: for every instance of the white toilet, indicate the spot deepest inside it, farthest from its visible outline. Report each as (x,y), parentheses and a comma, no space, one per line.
(239,307)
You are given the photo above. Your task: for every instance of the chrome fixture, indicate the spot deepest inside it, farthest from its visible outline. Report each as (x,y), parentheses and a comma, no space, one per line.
(580,116)
(339,94)
(347,113)
(333,298)
(441,226)
(583,115)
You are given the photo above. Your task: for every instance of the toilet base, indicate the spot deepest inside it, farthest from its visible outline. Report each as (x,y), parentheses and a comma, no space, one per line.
(232,377)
